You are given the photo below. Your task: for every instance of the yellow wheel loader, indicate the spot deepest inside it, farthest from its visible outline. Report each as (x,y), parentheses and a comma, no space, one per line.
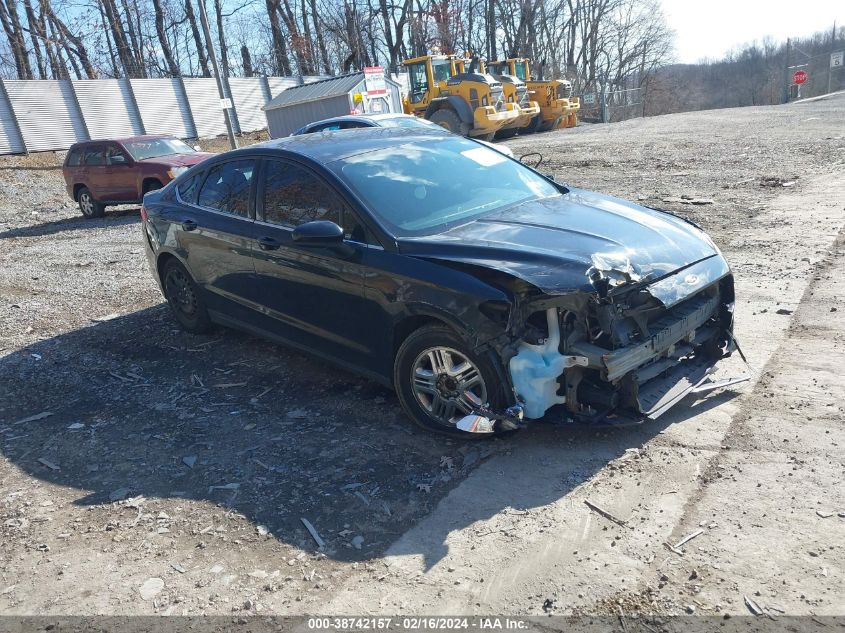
(554,96)
(466,103)
(570,117)
(516,92)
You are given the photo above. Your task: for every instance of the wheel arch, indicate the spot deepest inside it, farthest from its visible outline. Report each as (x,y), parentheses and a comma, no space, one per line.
(76,189)
(418,317)
(148,180)
(453,102)
(161,261)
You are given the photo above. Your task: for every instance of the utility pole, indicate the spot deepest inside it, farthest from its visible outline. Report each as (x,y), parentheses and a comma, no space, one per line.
(832,46)
(213,55)
(785,98)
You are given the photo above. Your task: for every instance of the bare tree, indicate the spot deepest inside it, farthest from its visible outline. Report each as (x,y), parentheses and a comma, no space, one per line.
(198,43)
(164,42)
(17,43)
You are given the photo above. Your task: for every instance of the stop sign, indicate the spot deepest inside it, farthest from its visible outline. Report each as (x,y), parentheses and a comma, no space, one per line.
(799,77)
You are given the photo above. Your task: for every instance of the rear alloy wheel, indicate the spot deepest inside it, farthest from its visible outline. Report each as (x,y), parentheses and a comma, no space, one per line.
(439,380)
(89,206)
(183,296)
(450,120)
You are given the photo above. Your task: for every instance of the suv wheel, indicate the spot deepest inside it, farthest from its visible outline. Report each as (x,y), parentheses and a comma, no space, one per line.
(90,208)
(439,380)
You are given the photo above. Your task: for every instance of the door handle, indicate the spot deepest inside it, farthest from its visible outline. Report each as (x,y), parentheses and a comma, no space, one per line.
(189,225)
(268,243)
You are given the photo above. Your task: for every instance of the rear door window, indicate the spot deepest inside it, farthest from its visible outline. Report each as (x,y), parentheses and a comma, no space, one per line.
(188,189)
(95,156)
(227,187)
(74,158)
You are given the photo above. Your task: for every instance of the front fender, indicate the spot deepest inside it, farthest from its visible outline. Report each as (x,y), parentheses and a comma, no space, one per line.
(460,106)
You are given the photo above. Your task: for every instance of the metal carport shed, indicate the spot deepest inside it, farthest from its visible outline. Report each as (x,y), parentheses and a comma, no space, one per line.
(336,96)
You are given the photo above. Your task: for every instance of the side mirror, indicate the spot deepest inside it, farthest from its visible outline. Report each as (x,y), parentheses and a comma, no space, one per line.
(118,159)
(318,233)
(197,148)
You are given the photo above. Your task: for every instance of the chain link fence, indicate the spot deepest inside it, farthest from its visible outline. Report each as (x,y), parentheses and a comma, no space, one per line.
(611,106)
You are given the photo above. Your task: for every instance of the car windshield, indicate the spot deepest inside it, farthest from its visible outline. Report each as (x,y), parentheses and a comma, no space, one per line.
(420,188)
(155,147)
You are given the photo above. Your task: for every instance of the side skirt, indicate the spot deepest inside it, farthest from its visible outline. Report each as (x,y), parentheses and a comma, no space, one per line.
(227,321)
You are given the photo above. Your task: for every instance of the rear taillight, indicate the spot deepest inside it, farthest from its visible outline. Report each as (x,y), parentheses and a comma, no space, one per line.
(144,214)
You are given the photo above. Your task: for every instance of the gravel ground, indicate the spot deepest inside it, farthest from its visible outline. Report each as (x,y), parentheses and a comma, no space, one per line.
(170,473)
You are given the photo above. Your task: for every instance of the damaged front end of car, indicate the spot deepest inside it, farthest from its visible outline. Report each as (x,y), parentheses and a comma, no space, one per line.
(621,352)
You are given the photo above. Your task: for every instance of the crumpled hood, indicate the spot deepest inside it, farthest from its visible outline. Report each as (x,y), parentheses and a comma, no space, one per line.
(556,243)
(178,160)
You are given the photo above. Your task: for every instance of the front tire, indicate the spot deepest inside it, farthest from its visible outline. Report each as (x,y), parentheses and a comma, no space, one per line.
(89,206)
(185,299)
(439,380)
(450,120)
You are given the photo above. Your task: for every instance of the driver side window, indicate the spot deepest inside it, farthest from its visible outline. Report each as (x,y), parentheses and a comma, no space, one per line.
(115,155)
(294,195)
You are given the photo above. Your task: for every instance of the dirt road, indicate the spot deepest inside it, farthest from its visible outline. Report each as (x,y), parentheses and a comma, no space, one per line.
(173,471)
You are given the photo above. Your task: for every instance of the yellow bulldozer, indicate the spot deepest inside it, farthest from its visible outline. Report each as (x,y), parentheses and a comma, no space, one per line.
(462,101)
(558,108)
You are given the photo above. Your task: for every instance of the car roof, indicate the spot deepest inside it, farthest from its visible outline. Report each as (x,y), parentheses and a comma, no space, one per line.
(326,146)
(363,118)
(379,116)
(124,139)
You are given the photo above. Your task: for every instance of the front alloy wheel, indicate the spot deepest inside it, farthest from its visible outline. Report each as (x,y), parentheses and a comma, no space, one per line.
(439,379)
(447,384)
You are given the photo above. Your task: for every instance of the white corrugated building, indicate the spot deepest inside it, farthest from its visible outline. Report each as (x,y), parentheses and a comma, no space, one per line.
(327,98)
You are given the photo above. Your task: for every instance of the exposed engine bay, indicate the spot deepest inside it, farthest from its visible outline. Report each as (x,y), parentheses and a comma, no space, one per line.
(626,352)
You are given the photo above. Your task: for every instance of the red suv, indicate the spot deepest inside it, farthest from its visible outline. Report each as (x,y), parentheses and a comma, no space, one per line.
(121,171)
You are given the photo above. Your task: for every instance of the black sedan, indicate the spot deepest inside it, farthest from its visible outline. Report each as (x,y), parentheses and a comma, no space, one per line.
(483,292)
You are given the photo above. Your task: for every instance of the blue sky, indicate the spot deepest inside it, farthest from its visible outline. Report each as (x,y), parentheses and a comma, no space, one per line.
(712,27)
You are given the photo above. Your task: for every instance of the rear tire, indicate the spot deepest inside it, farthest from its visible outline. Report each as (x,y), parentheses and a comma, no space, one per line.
(487,137)
(449,119)
(531,128)
(89,206)
(151,185)
(434,374)
(185,299)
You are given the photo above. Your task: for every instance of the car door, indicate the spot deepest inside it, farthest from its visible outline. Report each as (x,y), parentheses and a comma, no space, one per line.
(314,295)
(92,173)
(213,227)
(120,179)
